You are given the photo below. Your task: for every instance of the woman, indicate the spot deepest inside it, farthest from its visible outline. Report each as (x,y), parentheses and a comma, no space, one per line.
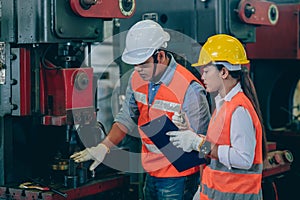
(235,132)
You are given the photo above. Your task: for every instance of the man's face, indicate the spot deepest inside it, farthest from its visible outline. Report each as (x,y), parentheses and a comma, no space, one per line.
(145,69)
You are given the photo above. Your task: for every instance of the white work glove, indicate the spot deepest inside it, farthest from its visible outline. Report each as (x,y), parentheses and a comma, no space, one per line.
(197,194)
(187,140)
(96,153)
(179,119)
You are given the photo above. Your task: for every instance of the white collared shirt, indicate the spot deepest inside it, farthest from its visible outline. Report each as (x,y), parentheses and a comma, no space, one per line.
(242,136)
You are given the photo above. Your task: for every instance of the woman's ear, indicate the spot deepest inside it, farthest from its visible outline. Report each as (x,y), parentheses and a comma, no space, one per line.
(224,73)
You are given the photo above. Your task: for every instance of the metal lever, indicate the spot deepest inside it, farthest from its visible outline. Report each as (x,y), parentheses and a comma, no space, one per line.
(65,195)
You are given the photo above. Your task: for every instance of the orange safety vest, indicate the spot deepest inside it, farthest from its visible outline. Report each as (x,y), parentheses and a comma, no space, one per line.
(168,99)
(219,182)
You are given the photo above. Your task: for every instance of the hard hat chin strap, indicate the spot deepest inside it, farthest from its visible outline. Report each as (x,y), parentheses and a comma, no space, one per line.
(155,62)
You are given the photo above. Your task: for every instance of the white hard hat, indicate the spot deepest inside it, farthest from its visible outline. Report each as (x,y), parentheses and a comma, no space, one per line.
(142,40)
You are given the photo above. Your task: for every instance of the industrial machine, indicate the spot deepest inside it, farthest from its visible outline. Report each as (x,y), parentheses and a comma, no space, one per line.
(47,103)
(276,74)
(48,86)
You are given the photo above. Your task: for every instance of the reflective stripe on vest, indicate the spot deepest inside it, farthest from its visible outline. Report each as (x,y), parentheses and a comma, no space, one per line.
(217,195)
(152,148)
(255,168)
(166,106)
(140,97)
(158,104)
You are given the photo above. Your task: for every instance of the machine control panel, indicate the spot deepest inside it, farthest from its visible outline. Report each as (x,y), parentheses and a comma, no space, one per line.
(276,158)
(277,161)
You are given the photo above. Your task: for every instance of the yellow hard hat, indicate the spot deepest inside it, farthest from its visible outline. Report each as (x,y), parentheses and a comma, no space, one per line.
(222,48)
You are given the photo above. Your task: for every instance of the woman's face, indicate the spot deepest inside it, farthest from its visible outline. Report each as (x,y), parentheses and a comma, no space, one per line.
(212,79)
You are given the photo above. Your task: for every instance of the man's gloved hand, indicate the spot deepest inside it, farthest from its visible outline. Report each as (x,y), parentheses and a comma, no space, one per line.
(187,140)
(179,119)
(96,153)
(197,194)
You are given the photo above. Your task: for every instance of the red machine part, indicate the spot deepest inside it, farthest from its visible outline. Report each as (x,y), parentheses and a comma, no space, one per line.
(67,95)
(285,36)
(25,82)
(103,8)
(119,182)
(258,12)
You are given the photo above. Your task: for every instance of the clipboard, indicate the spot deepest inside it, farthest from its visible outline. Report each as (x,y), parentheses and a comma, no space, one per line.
(156,130)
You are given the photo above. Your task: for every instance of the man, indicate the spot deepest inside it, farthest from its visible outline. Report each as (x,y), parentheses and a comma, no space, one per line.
(158,86)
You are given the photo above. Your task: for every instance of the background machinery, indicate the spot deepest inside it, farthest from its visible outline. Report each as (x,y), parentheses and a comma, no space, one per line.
(47,103)
(54,101)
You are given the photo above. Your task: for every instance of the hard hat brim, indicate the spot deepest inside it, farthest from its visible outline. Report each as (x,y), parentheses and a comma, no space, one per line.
(196,65)
(137,56)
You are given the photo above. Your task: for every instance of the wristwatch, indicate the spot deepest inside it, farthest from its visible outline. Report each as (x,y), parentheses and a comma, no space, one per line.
(205,149)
